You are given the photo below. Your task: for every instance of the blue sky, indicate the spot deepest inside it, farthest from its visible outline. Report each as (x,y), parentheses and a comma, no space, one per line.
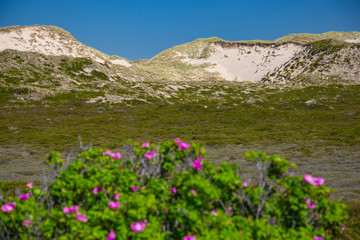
(140,29)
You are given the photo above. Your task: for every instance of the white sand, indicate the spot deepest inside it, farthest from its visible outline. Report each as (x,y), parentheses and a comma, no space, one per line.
(247,63)
(353,40)
(48,42)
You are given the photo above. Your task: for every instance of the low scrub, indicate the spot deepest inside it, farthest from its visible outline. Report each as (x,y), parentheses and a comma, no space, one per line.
(170,191)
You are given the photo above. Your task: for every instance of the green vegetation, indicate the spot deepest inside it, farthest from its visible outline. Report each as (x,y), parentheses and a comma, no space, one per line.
(328,46)
(170,191)
(305,38)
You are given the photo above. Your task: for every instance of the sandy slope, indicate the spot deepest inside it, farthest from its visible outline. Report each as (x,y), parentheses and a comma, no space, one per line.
(247,63)
(46,40)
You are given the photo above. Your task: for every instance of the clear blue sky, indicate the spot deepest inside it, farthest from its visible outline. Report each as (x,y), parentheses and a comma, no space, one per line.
(143,28)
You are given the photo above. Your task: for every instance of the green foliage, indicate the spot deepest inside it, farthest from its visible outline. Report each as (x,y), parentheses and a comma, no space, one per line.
(171,198)
(328,46)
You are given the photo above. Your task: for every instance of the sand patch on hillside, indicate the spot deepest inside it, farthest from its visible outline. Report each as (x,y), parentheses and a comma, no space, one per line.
(247,63)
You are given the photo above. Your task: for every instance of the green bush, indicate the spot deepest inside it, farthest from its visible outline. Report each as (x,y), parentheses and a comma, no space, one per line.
(169,191)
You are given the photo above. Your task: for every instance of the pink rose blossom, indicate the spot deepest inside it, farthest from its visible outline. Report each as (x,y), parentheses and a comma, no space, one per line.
(145,145)
(177,140)
(318,238)
(116,155)
(107,152)
(313,180)
(111,235)
(201,150)
(343,227)
(113,155)
(72,209)
(150,155)
(66,210)
(197,165)
(117,196)
(8,207)
(214,212)
(29,185)
(81,217)
(97,190)
(184,146)
(228,210)
(138,226)
(310,204)
(245,184)
(173,190)
(114,205)
(24,196)
(134,188)
(26,223)
(189,237)
(193,191)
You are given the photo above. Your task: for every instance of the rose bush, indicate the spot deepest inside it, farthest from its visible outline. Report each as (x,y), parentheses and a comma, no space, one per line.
(170,191)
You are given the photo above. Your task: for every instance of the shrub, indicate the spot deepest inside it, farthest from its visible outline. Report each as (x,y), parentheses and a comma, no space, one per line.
(170,191)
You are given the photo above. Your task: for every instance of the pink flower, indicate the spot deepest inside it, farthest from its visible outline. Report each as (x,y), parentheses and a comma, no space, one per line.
(117,196)
(184,146)
(81,217)
(113,155)
(189,237)
(311,205)
(318,238)
(134,188)
(214,212)
(343,227)
(24,196)
(138,226)
(114,205)
(313,180)
(97,190)
(66,210)
(150,155)
(245,184)
(197,165)
(69,210)
(107,152)
(228,210)
(145,145)
(29,185)
(8,207)
(26,223)
(201,150)
(177,140)
(116,155)
(74,209)
(193,191)
(173,190)
(111,235)
(1,197)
